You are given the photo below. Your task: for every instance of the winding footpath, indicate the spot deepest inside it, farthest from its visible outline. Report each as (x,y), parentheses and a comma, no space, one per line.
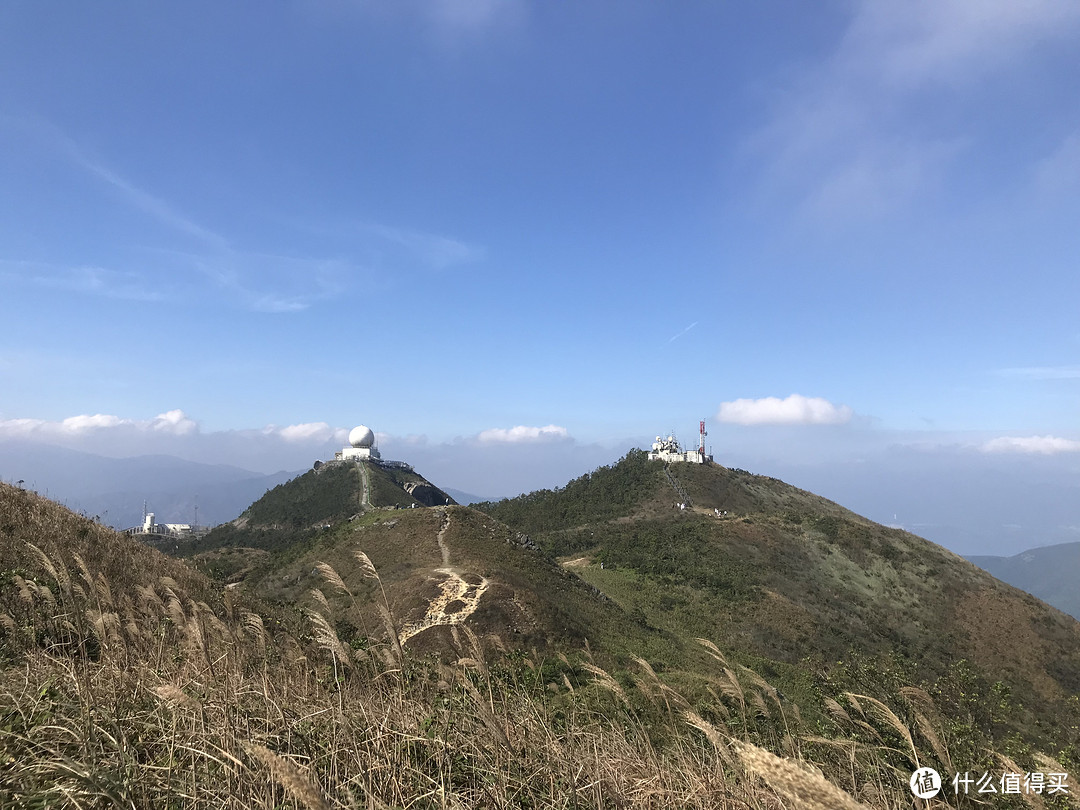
(365,488)
(454,591)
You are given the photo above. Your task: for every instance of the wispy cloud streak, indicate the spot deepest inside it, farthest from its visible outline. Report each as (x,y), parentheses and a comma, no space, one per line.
(683,332)
(122,285)
(847,140)
(255,279)
(1043,373)
(137,197)
(432,250)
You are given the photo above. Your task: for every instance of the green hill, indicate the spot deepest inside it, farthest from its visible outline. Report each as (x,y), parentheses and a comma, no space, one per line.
(296,511)
(807,591)
(328,514)
(120,686)
(645,636)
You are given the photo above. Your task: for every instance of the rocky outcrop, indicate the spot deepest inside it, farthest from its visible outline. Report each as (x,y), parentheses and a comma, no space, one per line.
(523,540)
(427,494)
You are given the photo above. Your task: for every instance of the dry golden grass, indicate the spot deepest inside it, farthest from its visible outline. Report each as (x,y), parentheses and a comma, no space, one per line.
(136,692)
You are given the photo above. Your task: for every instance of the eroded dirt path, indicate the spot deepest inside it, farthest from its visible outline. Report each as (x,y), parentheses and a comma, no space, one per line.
(365,488)
(458,598)
(441,538)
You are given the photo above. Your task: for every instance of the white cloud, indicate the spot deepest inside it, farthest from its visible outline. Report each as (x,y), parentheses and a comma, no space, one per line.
(172,424)
(522,433)
(310,432)
(174,433)
(176,422)
(85,422)
(1032,445)
(19,428)
(794,410)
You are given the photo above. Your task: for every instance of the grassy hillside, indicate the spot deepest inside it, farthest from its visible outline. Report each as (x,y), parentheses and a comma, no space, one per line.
(607,492)
(814,595)
(528,601)
(33,530)
(315,682)
(293,514)
(179,703)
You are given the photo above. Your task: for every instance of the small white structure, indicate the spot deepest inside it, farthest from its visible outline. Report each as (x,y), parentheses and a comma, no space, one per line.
(151,526)
(669,450)
(361,446)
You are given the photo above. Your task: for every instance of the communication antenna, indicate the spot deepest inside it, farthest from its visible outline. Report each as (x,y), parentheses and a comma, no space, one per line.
(701,441)
(196,512)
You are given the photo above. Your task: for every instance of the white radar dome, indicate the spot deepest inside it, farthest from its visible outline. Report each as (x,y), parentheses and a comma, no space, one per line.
(361,436)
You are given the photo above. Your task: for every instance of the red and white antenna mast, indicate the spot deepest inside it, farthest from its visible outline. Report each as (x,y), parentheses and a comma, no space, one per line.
(701,441)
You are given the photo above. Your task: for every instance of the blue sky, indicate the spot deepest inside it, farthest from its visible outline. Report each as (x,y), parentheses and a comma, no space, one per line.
(544,230)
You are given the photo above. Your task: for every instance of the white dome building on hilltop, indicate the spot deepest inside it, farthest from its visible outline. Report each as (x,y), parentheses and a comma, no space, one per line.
(361,445)
(361,436)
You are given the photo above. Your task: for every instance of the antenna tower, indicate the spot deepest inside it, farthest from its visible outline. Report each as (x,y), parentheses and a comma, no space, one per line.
(701,441)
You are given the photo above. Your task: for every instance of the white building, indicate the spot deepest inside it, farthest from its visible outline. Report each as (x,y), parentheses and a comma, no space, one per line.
(361,446)
(151,526)
(669,449)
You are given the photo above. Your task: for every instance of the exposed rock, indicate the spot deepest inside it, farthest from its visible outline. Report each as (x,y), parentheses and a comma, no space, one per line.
(523,540)
(426,493)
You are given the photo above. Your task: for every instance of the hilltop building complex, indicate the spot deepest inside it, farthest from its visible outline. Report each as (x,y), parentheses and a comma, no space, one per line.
(151,526)
(361,446)
(669,449)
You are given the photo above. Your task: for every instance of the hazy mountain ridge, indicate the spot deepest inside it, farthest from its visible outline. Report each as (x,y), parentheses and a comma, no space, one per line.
(114,489)
(1050,573)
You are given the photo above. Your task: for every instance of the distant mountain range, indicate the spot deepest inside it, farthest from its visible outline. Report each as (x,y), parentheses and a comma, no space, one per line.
(114,489)
(466,498)
(1050,573)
